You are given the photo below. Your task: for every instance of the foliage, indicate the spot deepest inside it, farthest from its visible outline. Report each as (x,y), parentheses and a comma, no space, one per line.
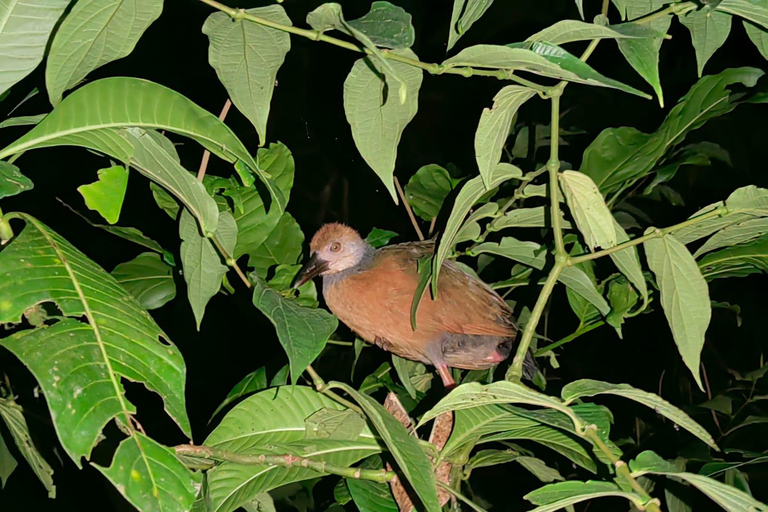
(85,334)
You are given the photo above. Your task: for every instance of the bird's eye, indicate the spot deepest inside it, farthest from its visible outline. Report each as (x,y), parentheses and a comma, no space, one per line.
(335,247)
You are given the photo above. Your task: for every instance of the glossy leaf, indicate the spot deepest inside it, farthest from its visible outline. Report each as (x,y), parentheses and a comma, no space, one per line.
(495,124)
(709,29)
(568,31)
(589,210)
(107,194)
(386,25)
(427,189)
(380,237)
(302,331)
(273,421)
(102,325)
(376,114)
(736,261)
(587,387)
(405,449)
(246,57)
(535,57)
(371,496)
(203,269)
(684,297)
(12,182)
(95,33)
(13,416)
(624,153)
(464,14)
(148,278)
(26,27)
(283,245)
(472,191)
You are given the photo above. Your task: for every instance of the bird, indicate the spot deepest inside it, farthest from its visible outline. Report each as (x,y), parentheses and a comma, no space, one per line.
(467,325)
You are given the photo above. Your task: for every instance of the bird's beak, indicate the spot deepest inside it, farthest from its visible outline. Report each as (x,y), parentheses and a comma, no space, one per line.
(312,268)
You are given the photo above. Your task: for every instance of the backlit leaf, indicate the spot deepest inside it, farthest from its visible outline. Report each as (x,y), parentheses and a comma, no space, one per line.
(568,31)
(589,210)
(464,14)
(106,195)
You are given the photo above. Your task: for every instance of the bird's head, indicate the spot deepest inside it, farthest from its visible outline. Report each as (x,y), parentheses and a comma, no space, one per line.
(334,248)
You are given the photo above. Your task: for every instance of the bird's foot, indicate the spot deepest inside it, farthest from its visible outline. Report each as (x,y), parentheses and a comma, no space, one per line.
(445,374)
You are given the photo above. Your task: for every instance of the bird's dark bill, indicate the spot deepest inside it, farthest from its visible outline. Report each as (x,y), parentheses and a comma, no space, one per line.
(312,268)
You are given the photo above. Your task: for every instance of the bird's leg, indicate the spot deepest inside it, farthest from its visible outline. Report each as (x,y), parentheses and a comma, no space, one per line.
(434,353)
(445,374)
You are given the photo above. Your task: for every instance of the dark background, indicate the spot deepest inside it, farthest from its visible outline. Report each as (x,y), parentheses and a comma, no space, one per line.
(334,183)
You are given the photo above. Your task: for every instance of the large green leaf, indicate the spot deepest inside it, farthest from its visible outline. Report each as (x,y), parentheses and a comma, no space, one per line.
(254,381)
(371,496)
(246,57)
(376,114)
(568,31)
(150,476)
(535,57)
(709,29)
(469,425)
(203,269)
(410,458)
(95,33)
(386,25)
(80,120)
(427,189)
(12,182)
(464,14)
(758,35)
(26,27)
(733,235)
(148,278)
(472,191)
(589,210)
(560,495)
(621,154)
(107,194)
(102,337)
(302,331)
(736,261)
(495,123)
(684,297)
(13,416)
(283,245)
(274,422)
(728,497)
(587,387)
(751,10)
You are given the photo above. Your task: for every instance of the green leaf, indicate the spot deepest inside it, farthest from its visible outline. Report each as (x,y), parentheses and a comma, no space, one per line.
(709,29)
(562,494)
(7,463)
(13,416)
(736,261)
(371,496)
(684,297)
(93,34)
(621,154)
(743,204)
(333,424)
(427,189)
(107,194)
(22,121)
(538,58)
(80,120)
(386,25)
(102,337)
(148,278)
(26,27)
(472,191)
(533,255)
(12,182)
(730,498)
(464,14)
(758,36)
(375,113)
(201,262)
(263,502)
(280,378)
(404,447)
(588,387)
(628,262)
(536,217)
(494,127)
(273,421)
(568,31)
(164,200)
(471,230)
(623,298)
(246,57)
(734,235)
(169,486)
(751,10)
(539,469)
(283,245)
(302,331)
(423,268)
(380,237)
(589,210)
(254,381)
(413,375)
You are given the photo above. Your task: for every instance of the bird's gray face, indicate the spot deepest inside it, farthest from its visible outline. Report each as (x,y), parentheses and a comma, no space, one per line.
(334,248)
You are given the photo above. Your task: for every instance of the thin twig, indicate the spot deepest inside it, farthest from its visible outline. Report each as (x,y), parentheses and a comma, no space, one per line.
(408,209)
(709,397)
(579,332)
(206,153)
(323,388)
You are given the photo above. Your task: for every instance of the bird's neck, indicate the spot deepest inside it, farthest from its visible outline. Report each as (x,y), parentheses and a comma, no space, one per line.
(365,263)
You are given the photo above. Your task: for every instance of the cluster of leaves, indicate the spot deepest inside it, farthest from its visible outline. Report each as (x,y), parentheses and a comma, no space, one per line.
(82,331)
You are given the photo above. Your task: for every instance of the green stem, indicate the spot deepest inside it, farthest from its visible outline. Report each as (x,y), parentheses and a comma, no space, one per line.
(471,504)
(515,371)
(432,68)
(717,212)
(553,166)
(286,461)
(675,8)
(579,332)
(323,388)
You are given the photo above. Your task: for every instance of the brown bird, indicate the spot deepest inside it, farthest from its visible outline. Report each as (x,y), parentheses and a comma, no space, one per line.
(371,290)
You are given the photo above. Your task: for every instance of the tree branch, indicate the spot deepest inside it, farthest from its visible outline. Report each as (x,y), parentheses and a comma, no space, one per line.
(408,209)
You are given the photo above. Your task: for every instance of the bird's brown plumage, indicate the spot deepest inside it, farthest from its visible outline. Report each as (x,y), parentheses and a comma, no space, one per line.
(466,326)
